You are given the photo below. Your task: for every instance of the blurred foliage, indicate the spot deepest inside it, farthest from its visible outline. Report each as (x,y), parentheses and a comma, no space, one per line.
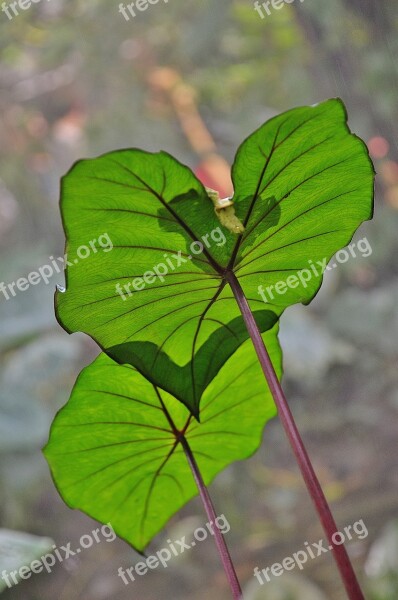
(382,564)
(19,549)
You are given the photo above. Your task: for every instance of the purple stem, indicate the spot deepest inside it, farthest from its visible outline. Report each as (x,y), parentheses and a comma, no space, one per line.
(314,488)
(212,516)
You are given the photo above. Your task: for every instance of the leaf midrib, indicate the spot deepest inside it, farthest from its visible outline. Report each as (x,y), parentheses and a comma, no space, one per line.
(216,266)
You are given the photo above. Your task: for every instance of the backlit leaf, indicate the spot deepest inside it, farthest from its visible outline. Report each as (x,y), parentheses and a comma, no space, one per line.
(114,452)
(303,185)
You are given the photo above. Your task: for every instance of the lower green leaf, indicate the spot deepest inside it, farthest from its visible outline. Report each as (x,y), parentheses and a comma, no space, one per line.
(115,449)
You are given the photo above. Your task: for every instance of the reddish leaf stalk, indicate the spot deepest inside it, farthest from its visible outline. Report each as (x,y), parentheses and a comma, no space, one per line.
(212,516)
(314,488)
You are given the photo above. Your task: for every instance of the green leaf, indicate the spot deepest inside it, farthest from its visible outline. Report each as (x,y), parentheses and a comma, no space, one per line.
(114,451)
(319,178)
(303,184)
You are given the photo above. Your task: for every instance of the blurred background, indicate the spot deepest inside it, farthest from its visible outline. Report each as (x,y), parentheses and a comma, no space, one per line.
(194,78)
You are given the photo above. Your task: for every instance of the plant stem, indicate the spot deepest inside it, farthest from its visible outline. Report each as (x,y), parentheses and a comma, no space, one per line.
(206,499)
(314,488)
(212,516)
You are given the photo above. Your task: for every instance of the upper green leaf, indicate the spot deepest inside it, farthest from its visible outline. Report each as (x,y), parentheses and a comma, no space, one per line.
(303,184)
(115,449)
(319,182)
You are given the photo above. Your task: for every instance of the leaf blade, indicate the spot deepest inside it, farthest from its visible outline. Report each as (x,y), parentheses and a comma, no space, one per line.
(303,185)
(126,460)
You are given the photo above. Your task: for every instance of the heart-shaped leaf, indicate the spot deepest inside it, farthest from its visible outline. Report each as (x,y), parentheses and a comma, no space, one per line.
(116,448)
(303,184)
